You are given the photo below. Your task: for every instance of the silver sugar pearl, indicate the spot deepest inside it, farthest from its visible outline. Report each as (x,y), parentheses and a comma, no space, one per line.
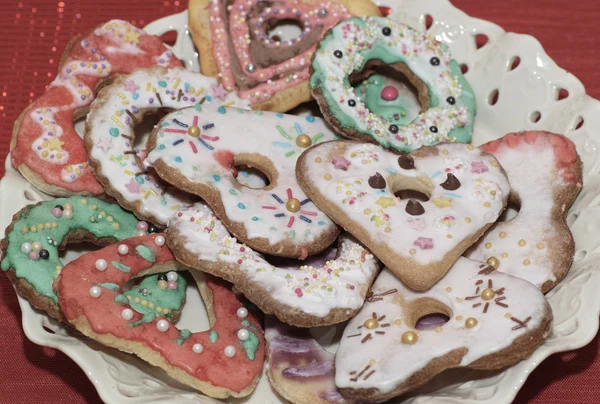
(250,68)
(322,12)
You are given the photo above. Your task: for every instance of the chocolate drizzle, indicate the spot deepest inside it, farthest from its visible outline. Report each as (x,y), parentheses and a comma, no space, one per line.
(451,184)
(414,208)
(406,162)
(377,181)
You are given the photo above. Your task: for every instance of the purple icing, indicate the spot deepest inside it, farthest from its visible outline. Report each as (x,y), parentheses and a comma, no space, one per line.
(291,345)
(431,321)
(332,396)
(315,368)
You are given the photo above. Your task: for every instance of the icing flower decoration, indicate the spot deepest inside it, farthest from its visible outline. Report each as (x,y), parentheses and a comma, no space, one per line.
(340,163)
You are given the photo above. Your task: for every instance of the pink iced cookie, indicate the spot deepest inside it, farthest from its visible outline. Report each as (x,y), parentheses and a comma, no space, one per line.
(45,147)
(221,362)
(545,175)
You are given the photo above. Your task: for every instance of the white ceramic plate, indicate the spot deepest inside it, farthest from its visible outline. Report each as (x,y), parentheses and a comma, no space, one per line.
(528,99)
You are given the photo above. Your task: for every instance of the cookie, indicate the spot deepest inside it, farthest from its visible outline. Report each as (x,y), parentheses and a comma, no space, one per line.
(417,213)
(45,147)
(197,150)
(494,320)
(355,48)
(225,361)
(30,249)
(299,369)
(110,134)
(271,71)
(322,290)
(545,175)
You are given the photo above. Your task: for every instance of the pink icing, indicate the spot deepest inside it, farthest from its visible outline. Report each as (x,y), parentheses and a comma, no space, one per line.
(279,76)
(104,315)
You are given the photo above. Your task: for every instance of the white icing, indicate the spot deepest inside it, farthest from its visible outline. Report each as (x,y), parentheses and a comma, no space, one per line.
(268,135)
(340,283)
(394,362)
(108,122)
(450,216)
(533,175)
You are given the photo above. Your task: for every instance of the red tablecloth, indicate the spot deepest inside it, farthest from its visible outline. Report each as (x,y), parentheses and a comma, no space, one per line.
(33,35)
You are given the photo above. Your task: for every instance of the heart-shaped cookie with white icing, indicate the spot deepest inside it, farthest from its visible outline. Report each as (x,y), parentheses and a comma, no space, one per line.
(417,212)
(262,49)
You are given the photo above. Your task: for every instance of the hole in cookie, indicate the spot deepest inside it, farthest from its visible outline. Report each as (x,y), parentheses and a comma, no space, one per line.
(514,63)
(561,94)
(578,123)
(251,177)
(418,188)
(76,250)
(431,321)
(284,30)
(428,21)
(493,97)
(481,40)
(535,116)
(511,211)
(464,68)
(169,37)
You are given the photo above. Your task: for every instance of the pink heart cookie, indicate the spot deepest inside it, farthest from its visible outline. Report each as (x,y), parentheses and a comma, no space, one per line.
(417,213)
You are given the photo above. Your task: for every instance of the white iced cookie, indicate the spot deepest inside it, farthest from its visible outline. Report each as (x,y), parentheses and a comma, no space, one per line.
(325,290)
(545,175)
(418,212)
(109,135)
(495,320)
(198,149)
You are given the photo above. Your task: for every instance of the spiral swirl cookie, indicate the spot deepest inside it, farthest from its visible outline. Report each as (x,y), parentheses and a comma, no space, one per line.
(221,362)
(356,47)
(197,150)
(545,175)
(31,247)
(270,70)
(45,147)
(109,135)
(494,320)
(299,368)
(417,213)
(324,290)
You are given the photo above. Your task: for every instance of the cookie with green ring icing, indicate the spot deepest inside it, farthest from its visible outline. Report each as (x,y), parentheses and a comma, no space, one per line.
(353,50)
(30,249)
(224,361)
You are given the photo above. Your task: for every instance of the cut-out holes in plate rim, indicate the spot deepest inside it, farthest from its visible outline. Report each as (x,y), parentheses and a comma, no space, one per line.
(493,97)
(481,40)
(535,116)
(578,123)
(513,63)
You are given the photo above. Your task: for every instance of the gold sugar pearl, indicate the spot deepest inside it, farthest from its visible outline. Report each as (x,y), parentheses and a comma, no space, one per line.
(526,262)
(371,323)
(541,246)
(194,131)
(458,318)
(412,251)
(488,294)
(470,147)
(470,322)
(318,160)
(293,205)
(488,245)
(522,243)
(508,315)
(438,329)
(493,261)
(486,204)
(448,289)
(328,177)
(410,338)
(372,362)
(502,234)
(303,141)
(504,255)
(494,163)
(468,219)
(388,229)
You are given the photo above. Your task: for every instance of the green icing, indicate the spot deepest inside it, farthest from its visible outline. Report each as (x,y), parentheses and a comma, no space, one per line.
(109,286)
(146,318)
(121,299)
(388,55)
(213,336)
(148,291)
(87,216)
(246,323)
(145,253)
(251,345)
(183,336)
(121,267)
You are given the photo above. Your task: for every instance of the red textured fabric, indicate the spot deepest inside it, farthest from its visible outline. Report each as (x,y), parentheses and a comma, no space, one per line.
(33,35)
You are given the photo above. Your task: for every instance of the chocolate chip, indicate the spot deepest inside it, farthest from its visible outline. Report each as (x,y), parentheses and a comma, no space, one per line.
(452,183)
(387,31)
(451,100)
(414,208)
(434,61)
(377,181)
(407,162)
(338,54)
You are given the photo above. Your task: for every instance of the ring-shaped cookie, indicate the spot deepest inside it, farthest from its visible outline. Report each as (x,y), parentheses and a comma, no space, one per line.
(45,147)
(328,291)
(545,175)
(495,320)
(109,135)
(30,249)
(197,149)
(352,49)
(224,361)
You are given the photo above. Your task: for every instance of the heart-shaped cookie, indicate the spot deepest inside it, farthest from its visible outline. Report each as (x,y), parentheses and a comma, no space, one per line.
(417,213)
(240,41)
